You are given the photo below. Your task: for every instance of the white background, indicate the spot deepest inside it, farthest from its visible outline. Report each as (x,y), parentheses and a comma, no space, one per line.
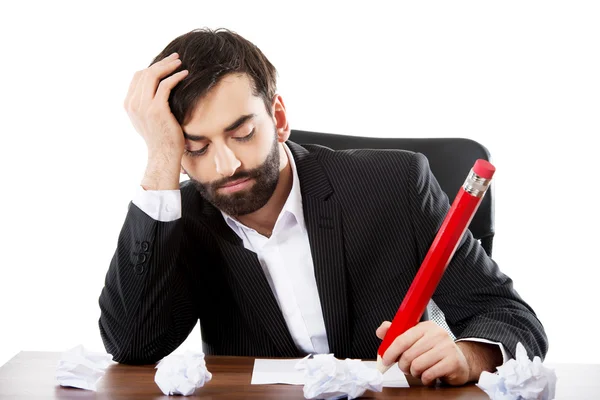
(521,77)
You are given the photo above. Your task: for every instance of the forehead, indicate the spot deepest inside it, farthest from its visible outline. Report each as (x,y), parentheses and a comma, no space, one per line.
(229,99)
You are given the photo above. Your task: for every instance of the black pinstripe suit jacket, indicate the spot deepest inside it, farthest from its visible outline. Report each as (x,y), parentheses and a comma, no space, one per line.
(371,216)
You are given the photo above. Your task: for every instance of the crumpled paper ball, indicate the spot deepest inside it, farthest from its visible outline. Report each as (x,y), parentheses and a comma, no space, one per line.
(520,379)
(82,369)
(182,373)
(327,377)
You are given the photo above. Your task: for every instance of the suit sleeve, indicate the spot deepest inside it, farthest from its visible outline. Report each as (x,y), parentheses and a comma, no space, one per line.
(146,305)
(478,300)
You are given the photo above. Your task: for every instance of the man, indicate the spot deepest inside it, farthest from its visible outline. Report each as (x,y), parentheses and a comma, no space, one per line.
(283,250)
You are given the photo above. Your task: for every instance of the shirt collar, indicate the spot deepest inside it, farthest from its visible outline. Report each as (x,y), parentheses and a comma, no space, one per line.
(293,204)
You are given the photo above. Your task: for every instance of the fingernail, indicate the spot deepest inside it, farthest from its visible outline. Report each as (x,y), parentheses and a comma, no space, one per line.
(174,54)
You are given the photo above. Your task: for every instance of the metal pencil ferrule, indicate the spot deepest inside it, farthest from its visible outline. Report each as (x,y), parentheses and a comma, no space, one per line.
(476,185)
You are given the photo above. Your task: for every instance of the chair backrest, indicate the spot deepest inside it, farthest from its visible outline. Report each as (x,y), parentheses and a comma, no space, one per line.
(450,160)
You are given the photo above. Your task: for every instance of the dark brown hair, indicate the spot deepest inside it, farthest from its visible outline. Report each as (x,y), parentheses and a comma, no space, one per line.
(209,55)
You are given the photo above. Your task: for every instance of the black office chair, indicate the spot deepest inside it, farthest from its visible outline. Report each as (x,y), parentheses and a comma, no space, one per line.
(450,160)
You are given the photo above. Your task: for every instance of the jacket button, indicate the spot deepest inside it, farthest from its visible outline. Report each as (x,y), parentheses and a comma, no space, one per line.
(145,246)
(142,258)
(139,269)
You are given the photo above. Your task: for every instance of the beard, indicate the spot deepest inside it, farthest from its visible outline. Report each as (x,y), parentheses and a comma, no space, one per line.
(266,177)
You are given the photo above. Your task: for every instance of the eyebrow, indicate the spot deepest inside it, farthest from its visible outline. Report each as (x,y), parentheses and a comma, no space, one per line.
(238,122)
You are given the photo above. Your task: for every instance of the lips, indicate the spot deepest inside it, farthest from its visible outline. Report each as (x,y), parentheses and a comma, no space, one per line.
(235,186)
(236,182)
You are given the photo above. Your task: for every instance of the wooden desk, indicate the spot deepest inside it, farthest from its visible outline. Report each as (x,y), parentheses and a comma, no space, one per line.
(30,375)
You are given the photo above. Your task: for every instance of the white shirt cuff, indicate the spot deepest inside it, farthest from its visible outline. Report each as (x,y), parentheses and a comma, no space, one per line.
(161,205)
(505,356)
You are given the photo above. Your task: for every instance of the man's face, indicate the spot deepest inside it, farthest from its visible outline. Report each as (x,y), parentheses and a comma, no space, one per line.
(232,149)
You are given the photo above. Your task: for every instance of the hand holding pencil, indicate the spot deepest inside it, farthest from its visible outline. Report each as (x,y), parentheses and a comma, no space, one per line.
(420,341)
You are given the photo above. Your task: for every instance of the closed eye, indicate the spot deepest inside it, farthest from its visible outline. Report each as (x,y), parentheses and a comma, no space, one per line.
(196,153)
(202,151)
(247,137)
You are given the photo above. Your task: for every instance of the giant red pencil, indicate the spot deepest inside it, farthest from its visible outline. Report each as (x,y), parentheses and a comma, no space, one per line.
(439,255)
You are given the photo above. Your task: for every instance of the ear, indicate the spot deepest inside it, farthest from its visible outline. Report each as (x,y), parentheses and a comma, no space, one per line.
(280,117)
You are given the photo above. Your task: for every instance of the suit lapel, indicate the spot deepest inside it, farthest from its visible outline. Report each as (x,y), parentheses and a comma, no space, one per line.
(250,286)
(323,220)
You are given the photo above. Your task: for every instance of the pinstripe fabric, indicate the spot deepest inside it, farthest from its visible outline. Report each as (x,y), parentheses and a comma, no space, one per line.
(371,216)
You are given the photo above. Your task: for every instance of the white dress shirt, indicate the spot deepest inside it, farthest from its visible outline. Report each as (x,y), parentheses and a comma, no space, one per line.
(292,279)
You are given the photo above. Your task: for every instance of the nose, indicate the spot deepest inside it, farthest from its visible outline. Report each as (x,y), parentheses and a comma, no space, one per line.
(226,161)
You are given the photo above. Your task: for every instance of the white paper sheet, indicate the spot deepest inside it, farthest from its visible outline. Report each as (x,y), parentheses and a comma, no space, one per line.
(267,372)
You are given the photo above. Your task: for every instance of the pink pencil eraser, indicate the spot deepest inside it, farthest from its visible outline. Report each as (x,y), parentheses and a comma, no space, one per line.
(484,169)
